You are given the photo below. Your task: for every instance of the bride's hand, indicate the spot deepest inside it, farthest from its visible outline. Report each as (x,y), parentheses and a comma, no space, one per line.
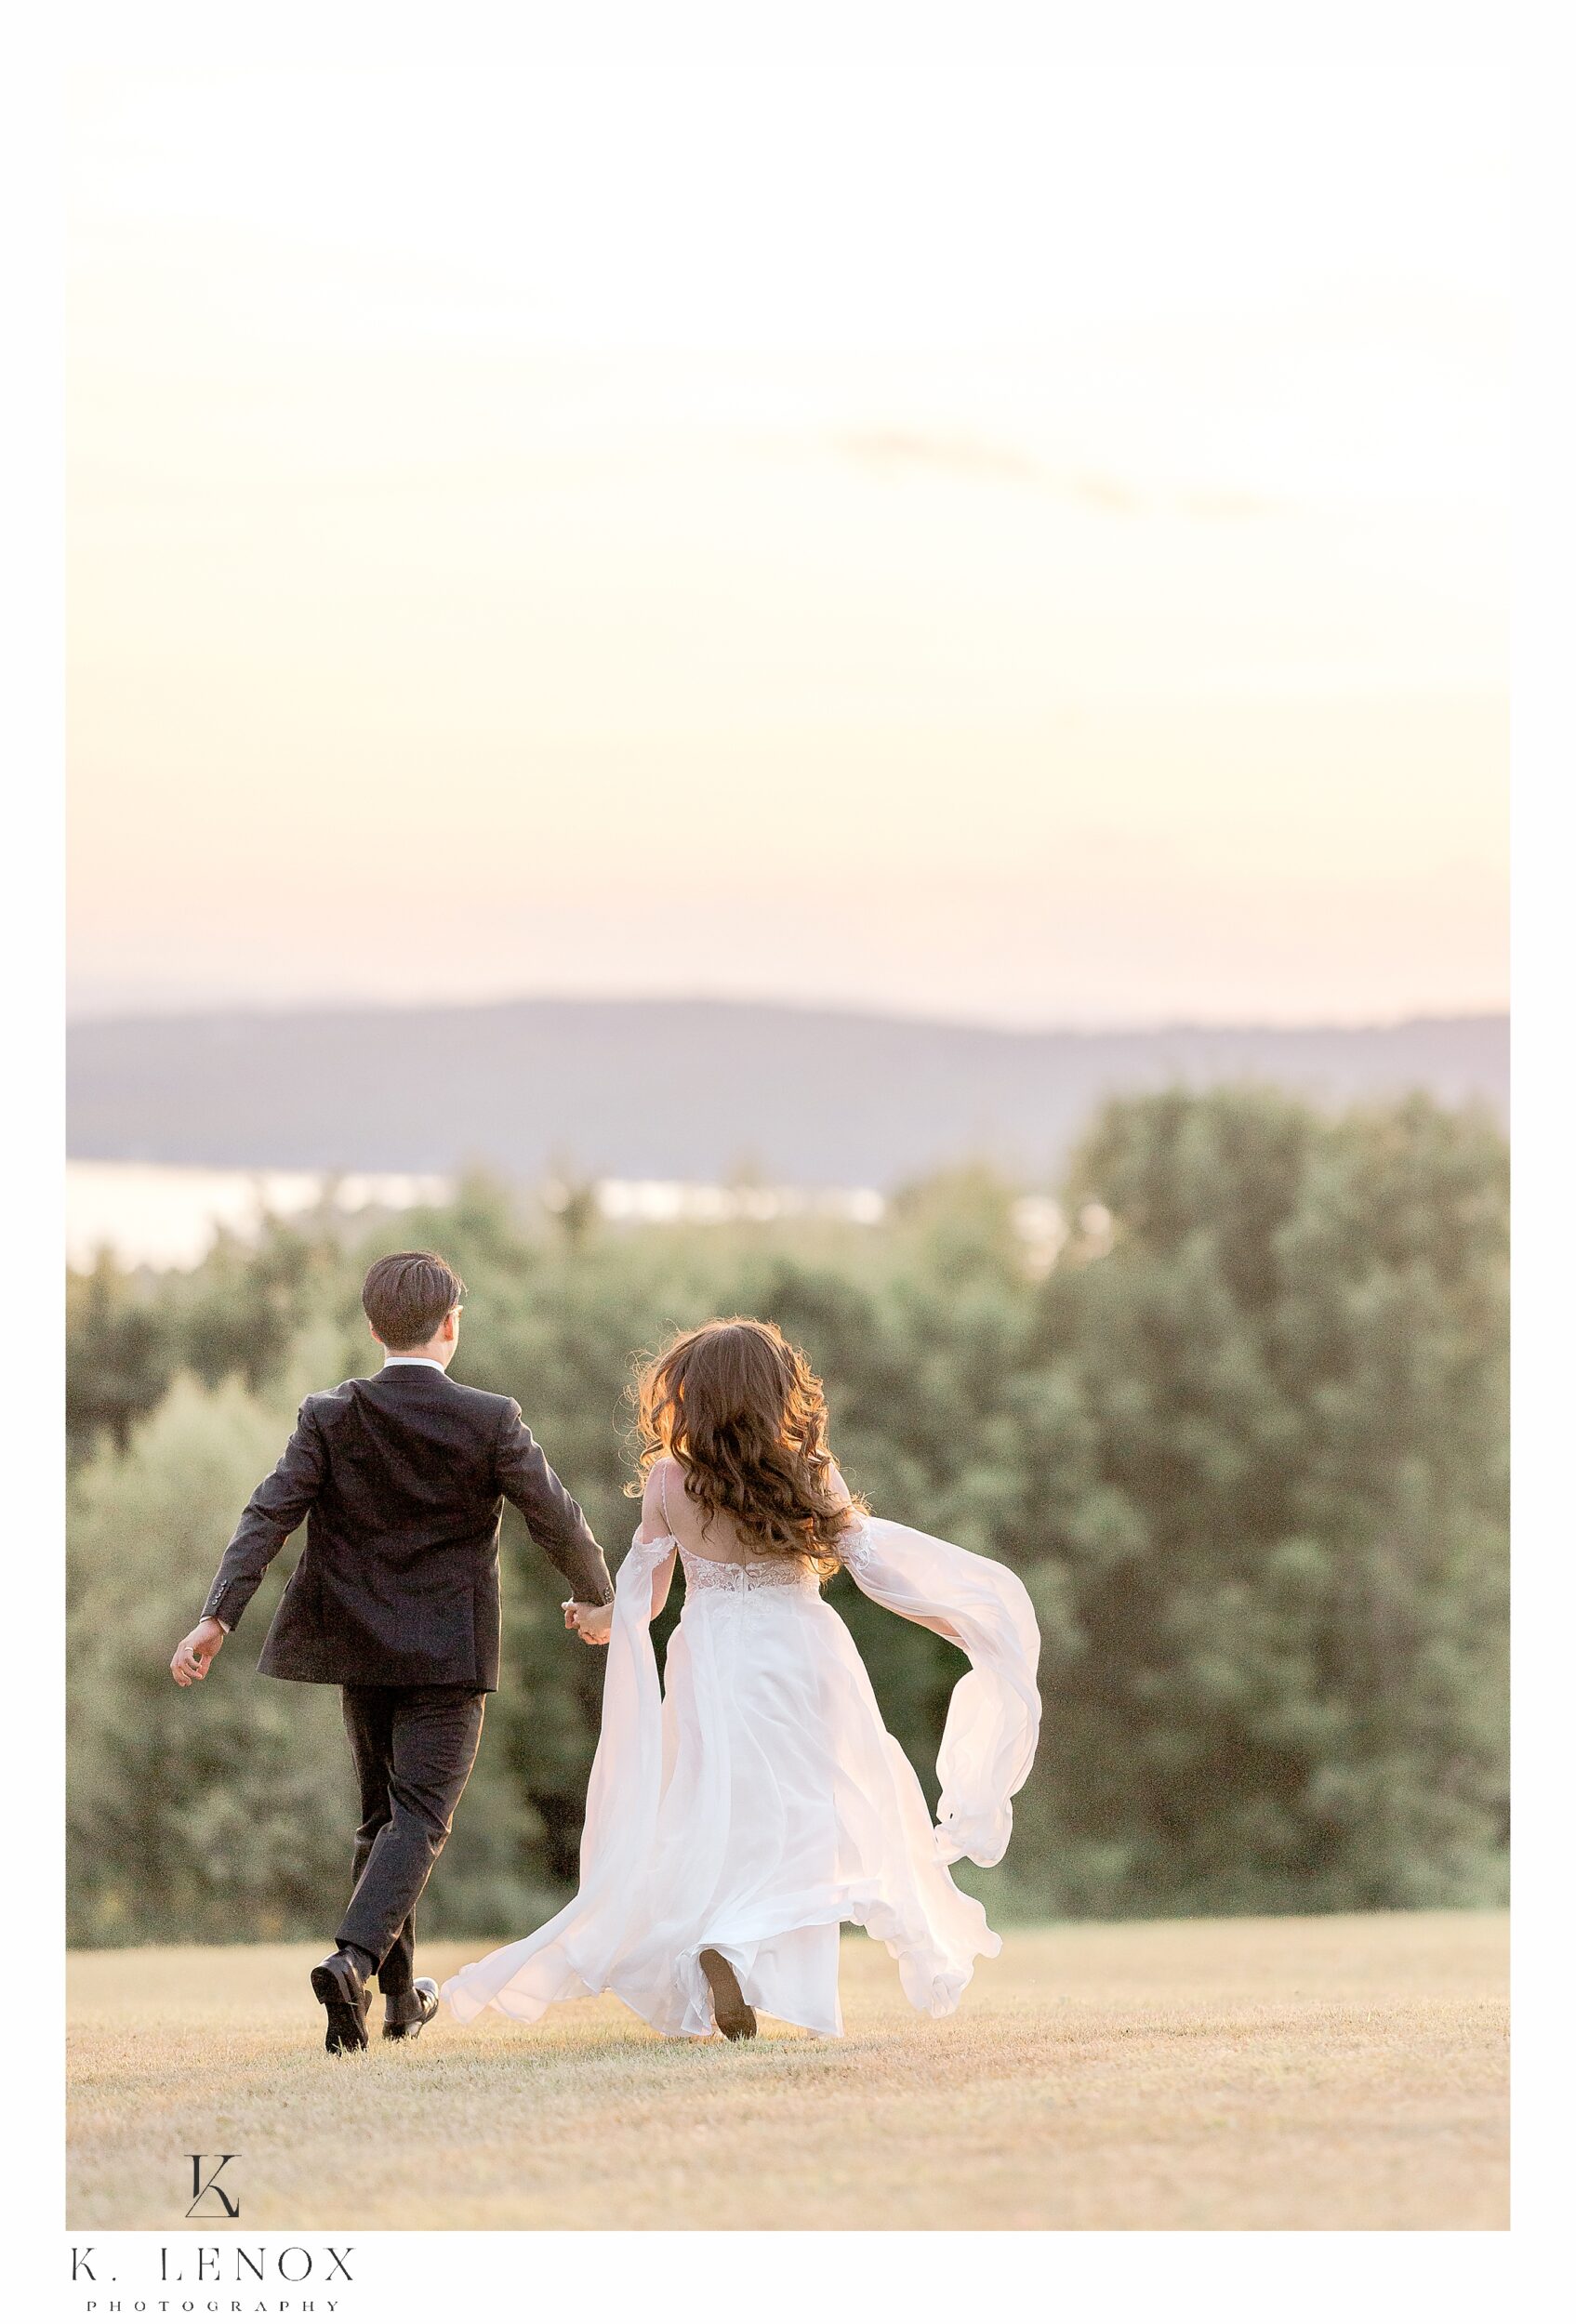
(594,1623)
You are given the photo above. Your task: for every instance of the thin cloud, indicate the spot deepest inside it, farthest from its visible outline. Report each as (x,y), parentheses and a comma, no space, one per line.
(892,450)
(964,455)
(1101,492)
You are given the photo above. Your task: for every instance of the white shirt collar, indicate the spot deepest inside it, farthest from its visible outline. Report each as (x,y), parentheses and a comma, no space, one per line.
(431,1360)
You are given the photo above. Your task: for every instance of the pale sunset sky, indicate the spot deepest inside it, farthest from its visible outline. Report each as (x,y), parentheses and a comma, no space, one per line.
(1021,546)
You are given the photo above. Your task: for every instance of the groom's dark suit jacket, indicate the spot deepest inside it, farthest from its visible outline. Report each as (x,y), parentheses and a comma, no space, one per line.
(400,1479)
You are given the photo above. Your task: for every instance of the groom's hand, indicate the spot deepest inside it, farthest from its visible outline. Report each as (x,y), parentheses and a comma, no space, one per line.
(196,1650)
(593,1623)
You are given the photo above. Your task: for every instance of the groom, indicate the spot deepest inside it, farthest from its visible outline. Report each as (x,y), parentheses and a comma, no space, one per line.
(395,1601)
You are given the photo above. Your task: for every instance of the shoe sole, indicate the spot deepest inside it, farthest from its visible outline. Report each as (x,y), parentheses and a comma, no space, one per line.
(411,2026)
(406,2033)
(736,2019)
(346,2029)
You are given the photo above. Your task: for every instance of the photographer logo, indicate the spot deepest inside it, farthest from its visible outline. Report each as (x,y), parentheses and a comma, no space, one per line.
(209,2199)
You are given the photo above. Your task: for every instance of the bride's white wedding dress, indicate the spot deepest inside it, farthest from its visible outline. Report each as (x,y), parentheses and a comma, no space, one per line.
(761,1801)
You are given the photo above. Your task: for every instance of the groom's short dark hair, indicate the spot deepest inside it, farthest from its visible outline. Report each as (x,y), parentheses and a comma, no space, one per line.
(407,1295)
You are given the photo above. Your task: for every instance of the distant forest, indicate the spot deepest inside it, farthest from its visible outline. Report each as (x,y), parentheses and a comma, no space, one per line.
(702,1091)
(1245,1440)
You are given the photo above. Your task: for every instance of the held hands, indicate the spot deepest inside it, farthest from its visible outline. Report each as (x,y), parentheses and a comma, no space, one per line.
(593,1623)
(196,1651)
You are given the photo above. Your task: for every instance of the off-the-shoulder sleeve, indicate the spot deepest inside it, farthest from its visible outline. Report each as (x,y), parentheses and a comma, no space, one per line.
(993,1720)
(570,1955)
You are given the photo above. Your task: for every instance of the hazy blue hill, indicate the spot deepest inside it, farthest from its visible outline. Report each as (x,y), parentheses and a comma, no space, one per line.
(686,1090)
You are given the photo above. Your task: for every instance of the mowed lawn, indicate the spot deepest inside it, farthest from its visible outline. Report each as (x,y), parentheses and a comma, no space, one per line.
(1336,2073)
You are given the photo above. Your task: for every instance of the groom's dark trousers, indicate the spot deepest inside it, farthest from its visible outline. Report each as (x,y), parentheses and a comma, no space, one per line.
(413,1749)
(400,1479)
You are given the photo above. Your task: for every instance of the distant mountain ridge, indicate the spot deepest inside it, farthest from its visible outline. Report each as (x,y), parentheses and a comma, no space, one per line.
(688,1089)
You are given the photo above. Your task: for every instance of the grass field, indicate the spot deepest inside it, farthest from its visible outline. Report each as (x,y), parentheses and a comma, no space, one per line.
(1321,2073)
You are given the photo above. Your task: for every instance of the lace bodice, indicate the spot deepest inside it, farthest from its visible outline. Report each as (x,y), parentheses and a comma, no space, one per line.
(709,1574)
(712,1577)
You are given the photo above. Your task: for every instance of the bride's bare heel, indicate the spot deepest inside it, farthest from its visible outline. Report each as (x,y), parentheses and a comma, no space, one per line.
(734,2016)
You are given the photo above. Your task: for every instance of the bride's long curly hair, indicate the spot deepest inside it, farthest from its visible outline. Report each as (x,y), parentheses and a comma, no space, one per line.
(743,1415)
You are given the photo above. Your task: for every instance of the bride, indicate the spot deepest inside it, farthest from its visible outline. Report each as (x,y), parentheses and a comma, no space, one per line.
(736,1819)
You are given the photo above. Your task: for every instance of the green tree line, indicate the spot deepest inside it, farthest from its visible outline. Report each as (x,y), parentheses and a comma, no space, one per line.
(1245,1440)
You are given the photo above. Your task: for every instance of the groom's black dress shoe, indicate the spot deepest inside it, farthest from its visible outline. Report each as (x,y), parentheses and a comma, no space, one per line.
(406,2014)
(341,1987)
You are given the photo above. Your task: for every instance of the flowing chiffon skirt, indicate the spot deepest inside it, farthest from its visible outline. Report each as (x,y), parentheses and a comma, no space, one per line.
(757,1804)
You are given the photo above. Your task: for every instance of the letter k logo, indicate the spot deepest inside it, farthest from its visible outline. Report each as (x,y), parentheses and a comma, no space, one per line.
(202,2188)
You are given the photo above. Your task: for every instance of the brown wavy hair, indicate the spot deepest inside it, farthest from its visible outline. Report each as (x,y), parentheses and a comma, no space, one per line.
(743,1415)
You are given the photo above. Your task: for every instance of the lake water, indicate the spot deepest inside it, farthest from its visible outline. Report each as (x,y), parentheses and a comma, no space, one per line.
(153,1214)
